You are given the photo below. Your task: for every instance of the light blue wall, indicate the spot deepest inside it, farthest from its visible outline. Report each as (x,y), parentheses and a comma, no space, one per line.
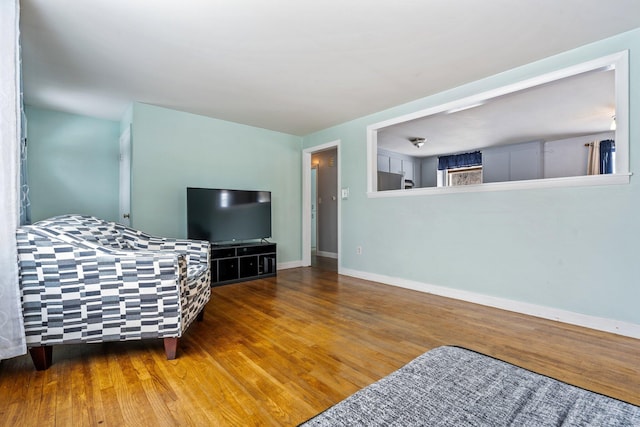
(173,150)
(72,164)
(126,119)
(572,249)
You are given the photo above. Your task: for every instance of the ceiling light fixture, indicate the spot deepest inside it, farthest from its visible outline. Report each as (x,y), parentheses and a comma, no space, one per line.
(418,142)
(466,107)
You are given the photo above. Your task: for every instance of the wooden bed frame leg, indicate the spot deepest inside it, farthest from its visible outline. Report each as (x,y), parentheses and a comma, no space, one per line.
(42,357)
(171,347)
(200,316)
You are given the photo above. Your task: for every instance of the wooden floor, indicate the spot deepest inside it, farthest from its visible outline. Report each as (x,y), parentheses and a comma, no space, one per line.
(277,351)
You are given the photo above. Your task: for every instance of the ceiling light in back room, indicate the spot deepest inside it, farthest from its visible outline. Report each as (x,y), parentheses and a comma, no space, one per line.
(418,142)
(465,107)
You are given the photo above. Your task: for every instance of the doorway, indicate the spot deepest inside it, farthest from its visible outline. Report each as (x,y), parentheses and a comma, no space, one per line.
(124,193)
(314,208)
(321,171)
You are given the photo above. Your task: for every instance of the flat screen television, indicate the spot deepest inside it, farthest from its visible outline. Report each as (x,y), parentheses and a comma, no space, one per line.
(227,216)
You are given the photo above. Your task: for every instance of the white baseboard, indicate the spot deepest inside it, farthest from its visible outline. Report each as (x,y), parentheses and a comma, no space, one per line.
(289,264)
(598,323)
(327,254)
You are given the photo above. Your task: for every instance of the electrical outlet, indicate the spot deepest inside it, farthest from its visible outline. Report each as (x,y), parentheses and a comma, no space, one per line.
(358,250)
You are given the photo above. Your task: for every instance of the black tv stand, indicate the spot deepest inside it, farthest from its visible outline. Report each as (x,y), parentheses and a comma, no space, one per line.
(242,262)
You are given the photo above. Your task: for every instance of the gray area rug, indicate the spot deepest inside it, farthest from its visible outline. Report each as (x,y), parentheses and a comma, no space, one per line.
(452,386)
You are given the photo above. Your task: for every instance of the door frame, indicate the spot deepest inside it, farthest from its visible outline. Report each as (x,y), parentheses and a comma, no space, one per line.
(124,180)
(306,200)
(315,202)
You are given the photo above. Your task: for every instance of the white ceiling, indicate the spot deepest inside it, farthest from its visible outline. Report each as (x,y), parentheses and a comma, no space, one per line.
(579,105)
(295,66)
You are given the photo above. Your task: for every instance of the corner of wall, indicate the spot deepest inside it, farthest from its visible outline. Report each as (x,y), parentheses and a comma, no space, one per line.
(127,118)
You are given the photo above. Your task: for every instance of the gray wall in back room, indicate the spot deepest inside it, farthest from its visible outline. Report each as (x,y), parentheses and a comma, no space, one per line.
(327,164)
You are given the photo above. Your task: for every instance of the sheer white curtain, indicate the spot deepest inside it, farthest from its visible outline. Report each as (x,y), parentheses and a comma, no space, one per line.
(12,340)
(593,165)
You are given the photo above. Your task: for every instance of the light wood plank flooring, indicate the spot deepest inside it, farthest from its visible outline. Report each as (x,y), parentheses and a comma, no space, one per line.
(277,351)
(324,263)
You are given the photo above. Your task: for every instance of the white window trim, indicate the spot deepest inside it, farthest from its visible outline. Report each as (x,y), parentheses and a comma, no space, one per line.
(620,61)
(571,181)
(448,173)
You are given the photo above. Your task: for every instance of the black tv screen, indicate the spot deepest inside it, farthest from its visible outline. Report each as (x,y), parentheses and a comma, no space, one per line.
(219,215)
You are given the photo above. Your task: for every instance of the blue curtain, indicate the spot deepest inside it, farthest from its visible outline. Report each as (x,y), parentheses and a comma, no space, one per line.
(460,160)
(607,148)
